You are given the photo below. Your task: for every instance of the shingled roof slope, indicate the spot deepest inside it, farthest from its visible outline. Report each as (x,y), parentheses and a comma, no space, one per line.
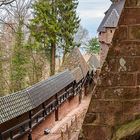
(16,104)
(77,74)
(93,62)
(74,60)
(112,16)
(42,91)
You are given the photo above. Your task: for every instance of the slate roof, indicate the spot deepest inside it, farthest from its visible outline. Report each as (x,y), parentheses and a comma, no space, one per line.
(14,105)
(112,16)
(93,63)
(18,103)
(42,91)
(77,74)
(74,60)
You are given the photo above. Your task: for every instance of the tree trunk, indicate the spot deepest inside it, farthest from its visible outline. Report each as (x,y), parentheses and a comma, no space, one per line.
(64,56)
(52,62)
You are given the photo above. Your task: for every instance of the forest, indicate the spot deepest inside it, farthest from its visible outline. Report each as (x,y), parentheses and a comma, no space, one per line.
(35,38)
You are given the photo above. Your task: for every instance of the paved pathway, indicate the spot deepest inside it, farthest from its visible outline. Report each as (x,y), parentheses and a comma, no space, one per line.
(69,127)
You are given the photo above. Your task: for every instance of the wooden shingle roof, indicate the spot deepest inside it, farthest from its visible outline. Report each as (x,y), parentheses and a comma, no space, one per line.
(42,91)
(93,63)
(112,16)
(74,60)
(77,74)
(16,104)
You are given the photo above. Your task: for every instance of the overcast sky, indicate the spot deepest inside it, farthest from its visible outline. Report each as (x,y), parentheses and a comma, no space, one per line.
(91,13)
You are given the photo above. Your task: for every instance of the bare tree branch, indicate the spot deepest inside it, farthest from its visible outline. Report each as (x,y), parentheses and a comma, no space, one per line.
(3,22)
(5,2)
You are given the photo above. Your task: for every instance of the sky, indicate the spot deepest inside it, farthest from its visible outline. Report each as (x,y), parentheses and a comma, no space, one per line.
(91,13)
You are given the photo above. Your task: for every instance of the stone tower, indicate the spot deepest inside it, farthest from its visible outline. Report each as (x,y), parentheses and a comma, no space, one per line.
(114,110)
(108,26)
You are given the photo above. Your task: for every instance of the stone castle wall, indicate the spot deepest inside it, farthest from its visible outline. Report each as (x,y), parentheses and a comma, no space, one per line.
(116,100)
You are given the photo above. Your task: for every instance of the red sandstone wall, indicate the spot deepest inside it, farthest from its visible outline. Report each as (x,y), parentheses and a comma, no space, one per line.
(38,131)
(103,52)
(47,123)
(116,100)
(68,106)
(105,39)
(63,110)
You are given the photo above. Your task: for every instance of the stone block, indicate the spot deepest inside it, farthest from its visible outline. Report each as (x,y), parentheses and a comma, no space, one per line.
(117,79)
(132,3)
(131,106)
(134,32)
(130,64)
(105,106)
(129,16)
(110,64)
(98,132)
(122,64)
(90,118)
(121,33)
(125,48)
(121,93)
(138,79)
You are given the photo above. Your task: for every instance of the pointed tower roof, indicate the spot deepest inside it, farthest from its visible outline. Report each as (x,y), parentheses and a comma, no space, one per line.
(112,15)
(93,62)
(74,60)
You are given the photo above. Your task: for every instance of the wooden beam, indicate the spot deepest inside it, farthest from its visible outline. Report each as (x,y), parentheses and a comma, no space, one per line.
(1,136)
(30,126)
(56,110)
(15,127)
(44,112)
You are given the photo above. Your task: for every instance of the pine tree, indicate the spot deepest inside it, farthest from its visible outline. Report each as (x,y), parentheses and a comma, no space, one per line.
(69,22)
(54,25)
(44,27)
(93,46)
(18,70)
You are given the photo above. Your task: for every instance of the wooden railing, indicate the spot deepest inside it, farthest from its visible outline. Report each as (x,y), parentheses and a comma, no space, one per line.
(34,120)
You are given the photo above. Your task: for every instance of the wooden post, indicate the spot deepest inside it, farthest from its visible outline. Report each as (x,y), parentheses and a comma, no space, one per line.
(74,83)
(29,136)
(62,135)
(37,119)
(30,126)
(44,112)
(1,136)
(11,135)
(87,84)
(56,108)
(68,132)
(86,89)
(80,96)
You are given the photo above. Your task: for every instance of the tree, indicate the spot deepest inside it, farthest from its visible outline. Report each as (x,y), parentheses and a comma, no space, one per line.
(69,22)
(36,64)
(18,70)
(5,2)
(15,17)
(44,27)
(82,36)
(54,25)
(1,72)
(93,46)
